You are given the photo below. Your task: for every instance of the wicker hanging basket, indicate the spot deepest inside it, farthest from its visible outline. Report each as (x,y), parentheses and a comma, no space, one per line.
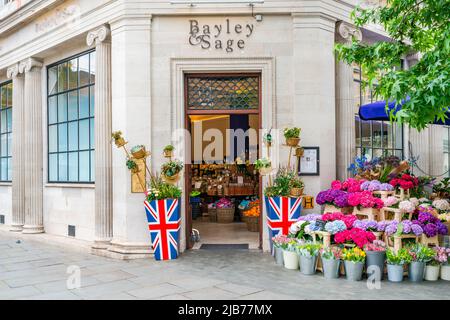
(296,192)
(292,142)
(172,179)
(120,142)
(140,153)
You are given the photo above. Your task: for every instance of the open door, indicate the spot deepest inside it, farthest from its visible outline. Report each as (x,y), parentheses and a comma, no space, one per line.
(188,189)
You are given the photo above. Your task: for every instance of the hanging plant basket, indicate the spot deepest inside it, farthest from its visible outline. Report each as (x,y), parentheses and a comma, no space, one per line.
(292,142)
(296,192)
(139,153)
(265,171)
(135,169)
(171,179)
(168,153)
(120,142)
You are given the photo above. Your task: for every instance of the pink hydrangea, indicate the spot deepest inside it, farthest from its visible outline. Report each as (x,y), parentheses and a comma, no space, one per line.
(336,185)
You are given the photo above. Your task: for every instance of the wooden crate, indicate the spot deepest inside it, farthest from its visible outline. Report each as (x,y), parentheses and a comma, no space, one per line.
(387,213)
(326,238)
(384,194)
(396,242)
(369,213)
(433,241)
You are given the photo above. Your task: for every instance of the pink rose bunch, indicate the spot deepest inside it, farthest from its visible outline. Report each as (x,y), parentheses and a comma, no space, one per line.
(365,199)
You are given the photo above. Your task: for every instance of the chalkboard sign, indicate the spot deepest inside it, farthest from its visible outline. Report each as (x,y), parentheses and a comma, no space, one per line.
(320,224)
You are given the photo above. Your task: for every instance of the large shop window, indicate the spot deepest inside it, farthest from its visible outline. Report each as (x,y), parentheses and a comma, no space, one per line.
(374,138)
(5,131)
(71,119)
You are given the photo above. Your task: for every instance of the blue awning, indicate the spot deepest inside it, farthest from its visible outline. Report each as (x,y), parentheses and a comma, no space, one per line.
(377,111)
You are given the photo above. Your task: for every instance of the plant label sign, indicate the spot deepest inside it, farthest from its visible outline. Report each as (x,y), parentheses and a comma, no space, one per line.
(226,36)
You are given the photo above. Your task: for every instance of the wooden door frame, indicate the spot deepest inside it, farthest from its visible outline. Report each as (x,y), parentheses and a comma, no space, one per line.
(187,126)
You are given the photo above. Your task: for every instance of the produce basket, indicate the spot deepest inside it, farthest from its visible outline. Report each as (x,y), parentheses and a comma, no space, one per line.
(252,223)
(212,213)
(225,215)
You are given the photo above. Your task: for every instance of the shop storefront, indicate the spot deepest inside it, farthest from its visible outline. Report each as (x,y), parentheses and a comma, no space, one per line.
(72,72)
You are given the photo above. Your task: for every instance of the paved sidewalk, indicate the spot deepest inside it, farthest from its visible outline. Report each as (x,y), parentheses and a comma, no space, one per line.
(31,270)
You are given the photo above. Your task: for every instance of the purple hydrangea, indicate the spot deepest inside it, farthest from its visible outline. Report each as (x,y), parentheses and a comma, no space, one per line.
(371,225)
(365,185)
(320,199)
(406,226)
(374,185)
(310,217)
(391,228)
(386,187)
(382,225)
(442,228)
(430,230)
(341,201)
(416,229)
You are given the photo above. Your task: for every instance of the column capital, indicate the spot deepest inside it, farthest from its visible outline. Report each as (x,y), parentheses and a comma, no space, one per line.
(345,32)
(28,64)
(12,71)
(98,35)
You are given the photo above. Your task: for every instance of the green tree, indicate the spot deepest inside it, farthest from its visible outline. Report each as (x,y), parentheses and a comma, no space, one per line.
(421,26)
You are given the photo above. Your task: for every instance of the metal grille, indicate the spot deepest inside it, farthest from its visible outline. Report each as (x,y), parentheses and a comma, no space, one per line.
(71,231)
(2,219)
(222,92)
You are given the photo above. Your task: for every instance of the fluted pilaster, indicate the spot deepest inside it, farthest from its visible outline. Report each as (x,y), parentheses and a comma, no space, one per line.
(18,164)
(103,157)
(32,141)
(345,104)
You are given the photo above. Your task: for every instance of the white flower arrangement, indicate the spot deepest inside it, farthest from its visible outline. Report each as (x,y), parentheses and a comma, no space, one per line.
(407,206)
(414,201)
(296,227)
(441,204)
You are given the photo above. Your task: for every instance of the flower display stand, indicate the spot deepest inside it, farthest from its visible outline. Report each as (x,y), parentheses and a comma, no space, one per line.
(402,194)
(383,194)
(396,242)
(326,238)
(329,208)
(163,218)
(433,241)
(378,235)
(369,213)
(388,213)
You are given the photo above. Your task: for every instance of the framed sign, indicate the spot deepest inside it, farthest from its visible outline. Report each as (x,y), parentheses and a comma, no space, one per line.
(309,163)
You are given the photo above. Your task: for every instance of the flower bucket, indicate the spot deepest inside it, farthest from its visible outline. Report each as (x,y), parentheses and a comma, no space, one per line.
(432,273)
(290,259)
(307,264)
(395,272)
(330,268)
(163,218)
(375,263)
(416,271)
(353,270)
(278,255)
(445,272)
(281,213)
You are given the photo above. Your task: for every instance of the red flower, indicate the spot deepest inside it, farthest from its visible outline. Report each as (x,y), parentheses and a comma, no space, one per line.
(355,235)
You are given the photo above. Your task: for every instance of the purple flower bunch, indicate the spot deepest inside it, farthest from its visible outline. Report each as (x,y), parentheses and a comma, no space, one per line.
(375,185)
(430,224)
(408,227)
(370,225)
(310,217)
(334,197)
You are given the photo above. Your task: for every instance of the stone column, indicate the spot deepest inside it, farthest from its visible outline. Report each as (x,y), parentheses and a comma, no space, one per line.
(18,163)
(103,161)
(32,146)
(345,104)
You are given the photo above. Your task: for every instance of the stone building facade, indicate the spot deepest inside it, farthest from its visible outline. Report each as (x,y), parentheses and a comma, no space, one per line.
(131,57)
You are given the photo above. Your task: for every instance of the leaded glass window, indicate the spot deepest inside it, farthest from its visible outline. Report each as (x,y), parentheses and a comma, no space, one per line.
(5,130)
(229,92)
(71,119)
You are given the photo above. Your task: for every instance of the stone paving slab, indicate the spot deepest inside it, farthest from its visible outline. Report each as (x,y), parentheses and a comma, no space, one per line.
(32,270)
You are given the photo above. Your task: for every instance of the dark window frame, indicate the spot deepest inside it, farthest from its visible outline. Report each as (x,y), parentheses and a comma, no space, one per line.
(90,117)
(7,132)
(360,147)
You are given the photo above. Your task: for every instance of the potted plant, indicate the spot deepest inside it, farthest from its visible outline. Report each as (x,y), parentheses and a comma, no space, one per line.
(138,151)
(307,254)
(170,170)
(445,267)
(118,139)
(168,151)
(280,242)
(396,263)
(290,256)
(331,261)
(263,165)
(432,268)
(375,257)
(292,136)
(132,165)
(353,262)
(297,187)
(163,195)
(420,255)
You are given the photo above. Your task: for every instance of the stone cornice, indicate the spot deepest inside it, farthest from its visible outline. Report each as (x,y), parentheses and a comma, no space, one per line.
(28,64)
(98,35)
(346,32)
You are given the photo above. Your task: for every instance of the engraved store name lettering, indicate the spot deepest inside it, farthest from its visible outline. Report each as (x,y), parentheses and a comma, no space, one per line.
(209,36)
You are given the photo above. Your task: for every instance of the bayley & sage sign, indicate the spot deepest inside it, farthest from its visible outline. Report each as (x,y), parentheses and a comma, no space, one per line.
(227,36)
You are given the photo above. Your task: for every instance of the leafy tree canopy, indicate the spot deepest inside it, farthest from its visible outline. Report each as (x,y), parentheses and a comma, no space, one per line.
(421,26)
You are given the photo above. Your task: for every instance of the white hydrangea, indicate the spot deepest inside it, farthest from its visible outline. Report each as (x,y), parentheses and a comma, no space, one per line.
(406,206)
(414,201)
(441,204)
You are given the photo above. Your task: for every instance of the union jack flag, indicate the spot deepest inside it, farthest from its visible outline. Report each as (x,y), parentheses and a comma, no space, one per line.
(281,213)
(163,218)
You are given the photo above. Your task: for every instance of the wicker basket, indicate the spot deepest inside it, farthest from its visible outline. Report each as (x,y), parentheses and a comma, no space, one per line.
(296,192)
(225,215)
(252,223)
(212,212)
(292,142)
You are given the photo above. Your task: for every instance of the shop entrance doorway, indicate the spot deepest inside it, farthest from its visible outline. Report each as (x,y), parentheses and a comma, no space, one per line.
(223,188)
